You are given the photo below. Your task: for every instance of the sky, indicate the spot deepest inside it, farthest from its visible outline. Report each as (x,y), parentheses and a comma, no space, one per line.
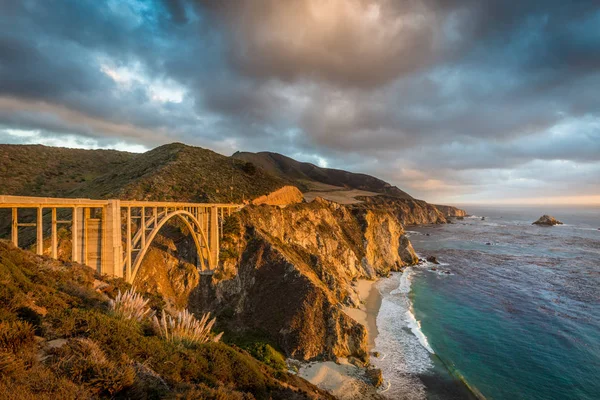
(455,101)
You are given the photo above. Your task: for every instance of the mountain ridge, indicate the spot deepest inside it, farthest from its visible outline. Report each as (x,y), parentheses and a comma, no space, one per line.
(302,173)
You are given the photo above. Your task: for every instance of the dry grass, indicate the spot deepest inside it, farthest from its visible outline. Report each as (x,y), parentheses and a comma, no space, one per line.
(131,305)
(15,334)
(185,328)
(84,362)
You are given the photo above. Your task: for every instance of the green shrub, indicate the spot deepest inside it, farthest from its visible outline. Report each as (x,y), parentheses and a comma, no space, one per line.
(231,226)
(117,336)
(231,367)
(266,353)
(228,254)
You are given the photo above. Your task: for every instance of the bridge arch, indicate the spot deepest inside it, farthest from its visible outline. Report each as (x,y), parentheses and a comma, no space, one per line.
(196,230)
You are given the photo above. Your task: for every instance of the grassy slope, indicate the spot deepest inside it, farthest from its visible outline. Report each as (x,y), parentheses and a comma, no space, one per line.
(58,339)
(184,173)
(53,171)
(305,173)
(171,172)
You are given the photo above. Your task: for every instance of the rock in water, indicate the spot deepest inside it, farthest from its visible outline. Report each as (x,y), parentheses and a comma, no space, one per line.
(432,259)
(547,220)
(375,376)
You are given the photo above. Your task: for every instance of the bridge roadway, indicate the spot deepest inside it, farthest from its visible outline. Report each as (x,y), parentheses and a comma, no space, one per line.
(113,236)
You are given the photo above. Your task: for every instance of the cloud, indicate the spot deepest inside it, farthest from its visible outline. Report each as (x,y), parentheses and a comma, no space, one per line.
(352,43)
(449,99)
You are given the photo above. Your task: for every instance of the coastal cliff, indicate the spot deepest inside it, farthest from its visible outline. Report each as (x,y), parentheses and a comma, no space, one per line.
(286,273)
(450,211)
(411,211)
(289,271)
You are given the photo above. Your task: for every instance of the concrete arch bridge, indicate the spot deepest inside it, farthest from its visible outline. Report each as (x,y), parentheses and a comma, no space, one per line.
(113,236)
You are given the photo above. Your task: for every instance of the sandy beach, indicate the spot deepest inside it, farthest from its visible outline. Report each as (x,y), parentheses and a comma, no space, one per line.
(345,380)
(370,304)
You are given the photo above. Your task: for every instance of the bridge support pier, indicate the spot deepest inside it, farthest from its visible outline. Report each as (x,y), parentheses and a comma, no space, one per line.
(112,247)
(39,245)
(75,246)
(15,227)
(54,236)
(214,237)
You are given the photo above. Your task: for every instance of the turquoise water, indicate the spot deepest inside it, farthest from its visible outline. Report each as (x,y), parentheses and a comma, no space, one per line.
(518,318)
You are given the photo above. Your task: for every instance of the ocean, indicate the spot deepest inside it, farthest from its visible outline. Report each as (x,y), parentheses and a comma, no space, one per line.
(512,311)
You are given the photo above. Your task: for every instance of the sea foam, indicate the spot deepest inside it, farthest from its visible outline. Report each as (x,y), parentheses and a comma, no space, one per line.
(407,352)
(415,327)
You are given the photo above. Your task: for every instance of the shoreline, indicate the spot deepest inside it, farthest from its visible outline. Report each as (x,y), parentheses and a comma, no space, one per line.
(349,382)
(366,314)
(343,379)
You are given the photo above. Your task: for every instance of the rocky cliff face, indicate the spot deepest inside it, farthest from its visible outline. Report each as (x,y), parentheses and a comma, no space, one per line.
(411,212)
(164,271)
(289,271)
(450,211)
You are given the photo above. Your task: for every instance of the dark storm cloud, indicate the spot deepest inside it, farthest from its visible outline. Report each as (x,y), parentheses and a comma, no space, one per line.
(422,91)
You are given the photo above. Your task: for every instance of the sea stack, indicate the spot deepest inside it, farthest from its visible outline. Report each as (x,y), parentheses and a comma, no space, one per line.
(547,220)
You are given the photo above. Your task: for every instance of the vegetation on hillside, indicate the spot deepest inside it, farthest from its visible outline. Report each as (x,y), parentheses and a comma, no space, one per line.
(60,339)
(53,171)
(305,175)
(184,173)
(173,172)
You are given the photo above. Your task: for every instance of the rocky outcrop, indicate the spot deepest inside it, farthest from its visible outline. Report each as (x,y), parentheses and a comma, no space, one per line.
(547,220)
(408,211)
(169,267)
(281,197)
(432,259)
(375,376)
(450,211)
(291,269)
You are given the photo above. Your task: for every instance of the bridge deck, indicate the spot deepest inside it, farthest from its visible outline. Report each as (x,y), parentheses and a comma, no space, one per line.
(56,202)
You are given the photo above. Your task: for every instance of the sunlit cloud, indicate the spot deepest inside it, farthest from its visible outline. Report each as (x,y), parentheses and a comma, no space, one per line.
(133,77)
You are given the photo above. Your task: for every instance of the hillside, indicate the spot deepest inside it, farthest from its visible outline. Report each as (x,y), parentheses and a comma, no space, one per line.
(170,172)
(183,173)
(305,175)
(174,172)
(35,170)
(60,339)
